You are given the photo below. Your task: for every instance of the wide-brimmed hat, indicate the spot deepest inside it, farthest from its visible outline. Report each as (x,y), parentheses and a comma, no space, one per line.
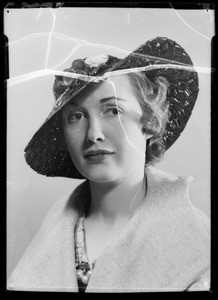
(47,152)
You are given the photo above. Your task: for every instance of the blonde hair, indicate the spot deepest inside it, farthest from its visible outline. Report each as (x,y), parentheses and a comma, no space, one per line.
(152,98)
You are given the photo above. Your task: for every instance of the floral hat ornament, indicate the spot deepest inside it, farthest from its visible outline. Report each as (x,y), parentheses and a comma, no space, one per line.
(47,153)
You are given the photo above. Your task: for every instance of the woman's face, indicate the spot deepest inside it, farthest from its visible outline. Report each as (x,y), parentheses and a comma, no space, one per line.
(103,131)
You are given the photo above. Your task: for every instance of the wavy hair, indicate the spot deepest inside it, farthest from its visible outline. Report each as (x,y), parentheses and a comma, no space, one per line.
(152,98)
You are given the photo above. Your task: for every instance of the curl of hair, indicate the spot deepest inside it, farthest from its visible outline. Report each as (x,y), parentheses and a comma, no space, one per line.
(152,98)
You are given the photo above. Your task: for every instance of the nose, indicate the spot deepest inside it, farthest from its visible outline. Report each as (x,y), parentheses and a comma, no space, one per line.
(94,132)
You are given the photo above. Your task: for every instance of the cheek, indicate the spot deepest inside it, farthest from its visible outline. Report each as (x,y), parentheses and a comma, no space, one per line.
(73,138)
(130,139)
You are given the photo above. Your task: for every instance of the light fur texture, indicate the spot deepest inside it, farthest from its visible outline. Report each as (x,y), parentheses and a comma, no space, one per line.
(164,247)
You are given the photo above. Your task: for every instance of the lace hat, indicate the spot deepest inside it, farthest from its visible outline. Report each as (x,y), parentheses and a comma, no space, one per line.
(47,154)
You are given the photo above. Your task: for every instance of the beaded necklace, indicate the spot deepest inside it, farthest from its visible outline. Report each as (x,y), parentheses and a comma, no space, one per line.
(83,266)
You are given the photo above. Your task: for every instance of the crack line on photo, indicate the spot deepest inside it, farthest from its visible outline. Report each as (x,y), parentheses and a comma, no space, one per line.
(32,75)
(189,26)
(54,15)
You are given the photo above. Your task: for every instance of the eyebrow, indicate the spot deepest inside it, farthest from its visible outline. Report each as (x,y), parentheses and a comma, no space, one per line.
(103,100)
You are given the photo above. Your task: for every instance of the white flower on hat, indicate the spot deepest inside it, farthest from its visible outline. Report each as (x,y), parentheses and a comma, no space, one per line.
(95,61)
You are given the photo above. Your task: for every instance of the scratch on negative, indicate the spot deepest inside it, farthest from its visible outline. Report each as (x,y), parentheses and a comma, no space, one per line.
(206,37)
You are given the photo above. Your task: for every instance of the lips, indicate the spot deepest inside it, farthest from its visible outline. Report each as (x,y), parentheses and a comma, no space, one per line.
(97,155)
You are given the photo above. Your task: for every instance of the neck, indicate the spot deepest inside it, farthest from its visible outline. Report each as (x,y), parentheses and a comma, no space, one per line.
(117,200)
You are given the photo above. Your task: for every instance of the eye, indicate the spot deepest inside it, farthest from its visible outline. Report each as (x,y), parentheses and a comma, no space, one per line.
(74,117)
(113,111)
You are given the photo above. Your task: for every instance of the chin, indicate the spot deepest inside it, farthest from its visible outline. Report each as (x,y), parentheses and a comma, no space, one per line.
(99,175)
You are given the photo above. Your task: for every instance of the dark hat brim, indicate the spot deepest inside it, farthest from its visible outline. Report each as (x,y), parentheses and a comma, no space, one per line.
(47,153)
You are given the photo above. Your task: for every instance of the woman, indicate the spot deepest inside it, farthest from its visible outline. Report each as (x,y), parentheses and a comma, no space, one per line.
(129,227)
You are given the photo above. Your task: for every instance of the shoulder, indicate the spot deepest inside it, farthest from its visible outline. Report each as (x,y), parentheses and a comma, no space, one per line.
(56,229)
(201,218)
(170,196)
(69,203)
(168,188)
(180,229)
(167,182)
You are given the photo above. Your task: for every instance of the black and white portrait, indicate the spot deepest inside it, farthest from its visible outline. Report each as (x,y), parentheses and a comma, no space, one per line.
(108,148)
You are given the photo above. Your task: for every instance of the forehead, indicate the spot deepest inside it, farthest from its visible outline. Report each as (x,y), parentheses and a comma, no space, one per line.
(115,86)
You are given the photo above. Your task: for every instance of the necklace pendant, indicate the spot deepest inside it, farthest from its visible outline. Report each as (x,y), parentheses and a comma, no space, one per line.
(85,279)
(79,274)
